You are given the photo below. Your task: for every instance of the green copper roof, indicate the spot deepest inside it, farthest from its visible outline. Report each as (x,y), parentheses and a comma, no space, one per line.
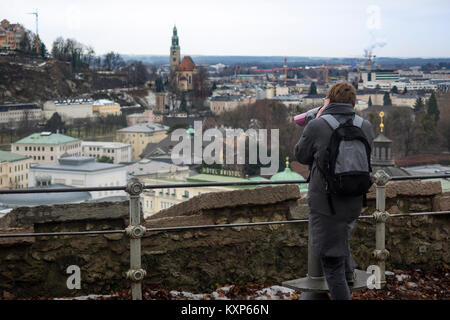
(6,156)
(258,178)
(382,138)
(288,174)
(190,131)
(54,138)
(204,177)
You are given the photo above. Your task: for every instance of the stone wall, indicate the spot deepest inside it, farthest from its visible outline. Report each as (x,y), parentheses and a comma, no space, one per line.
(199,259)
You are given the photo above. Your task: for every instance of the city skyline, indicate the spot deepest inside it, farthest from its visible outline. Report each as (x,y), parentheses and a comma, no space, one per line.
(273,28)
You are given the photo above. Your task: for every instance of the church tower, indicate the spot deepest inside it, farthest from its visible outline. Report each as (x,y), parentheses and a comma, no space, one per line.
(174,51)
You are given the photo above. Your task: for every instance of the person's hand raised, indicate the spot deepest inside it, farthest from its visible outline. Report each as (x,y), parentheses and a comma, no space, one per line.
(326,103)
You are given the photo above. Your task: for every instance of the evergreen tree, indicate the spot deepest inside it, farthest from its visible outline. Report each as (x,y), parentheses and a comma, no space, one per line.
(370,102)
(405,91)
(419,105)
(394,90)
(387,99)
(55,124)
(183,104)
(313,89)
(432,107)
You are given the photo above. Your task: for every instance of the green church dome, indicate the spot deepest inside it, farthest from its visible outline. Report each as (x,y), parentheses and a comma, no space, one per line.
(288,174)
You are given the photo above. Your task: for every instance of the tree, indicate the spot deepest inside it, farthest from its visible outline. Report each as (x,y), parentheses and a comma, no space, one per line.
(405,91)
(387,99)
(72,51)
(25,44)
(183,104)
(419,105)
(400,128)
(370,102)
(55,124)
(113,61)
(105,159)
(432,108)
(426,135)
(159,84)
(444,128)
(394,90)
(312,89)
(201,89)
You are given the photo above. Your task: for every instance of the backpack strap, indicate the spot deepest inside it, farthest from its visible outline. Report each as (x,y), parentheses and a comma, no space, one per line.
(332,122)
(358,121)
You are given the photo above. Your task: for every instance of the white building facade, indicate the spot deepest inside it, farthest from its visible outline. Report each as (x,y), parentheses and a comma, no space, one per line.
(117,151)
(69,109)
(80,172)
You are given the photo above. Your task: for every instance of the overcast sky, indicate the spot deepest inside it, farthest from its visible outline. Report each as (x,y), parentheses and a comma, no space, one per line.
(324,28)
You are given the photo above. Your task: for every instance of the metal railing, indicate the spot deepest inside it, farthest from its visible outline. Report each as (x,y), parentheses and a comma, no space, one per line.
(135,231)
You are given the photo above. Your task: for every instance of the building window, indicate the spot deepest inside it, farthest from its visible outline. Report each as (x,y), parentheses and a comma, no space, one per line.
(17,148)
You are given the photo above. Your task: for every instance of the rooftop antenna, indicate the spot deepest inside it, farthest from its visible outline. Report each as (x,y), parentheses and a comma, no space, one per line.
(36,14)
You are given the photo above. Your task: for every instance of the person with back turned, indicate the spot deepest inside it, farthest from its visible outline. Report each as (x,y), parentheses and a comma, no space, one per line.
(336,145)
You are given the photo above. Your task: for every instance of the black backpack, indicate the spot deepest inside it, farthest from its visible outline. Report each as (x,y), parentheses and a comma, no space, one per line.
(345,164)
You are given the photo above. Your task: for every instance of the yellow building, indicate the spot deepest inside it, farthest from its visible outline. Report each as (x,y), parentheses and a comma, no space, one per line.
(105,107)
(140,135)
(14,170)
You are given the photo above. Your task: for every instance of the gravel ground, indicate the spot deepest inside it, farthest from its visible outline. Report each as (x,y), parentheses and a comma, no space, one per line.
(400,285)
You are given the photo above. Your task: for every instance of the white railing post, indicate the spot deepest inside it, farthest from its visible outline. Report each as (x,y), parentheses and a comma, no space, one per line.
(380,215)
(135,232)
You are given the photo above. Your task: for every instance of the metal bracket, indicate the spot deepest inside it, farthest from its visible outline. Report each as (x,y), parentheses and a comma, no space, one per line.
(380,255)
(134,187)
(381,216)
(381,178)
(135,232)
(136,275)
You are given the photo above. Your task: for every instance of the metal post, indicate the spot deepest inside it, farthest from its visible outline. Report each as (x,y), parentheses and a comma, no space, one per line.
(315,271)
(135,231)
(380,216)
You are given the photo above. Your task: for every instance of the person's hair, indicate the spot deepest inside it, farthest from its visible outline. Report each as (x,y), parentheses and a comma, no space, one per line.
(342,92)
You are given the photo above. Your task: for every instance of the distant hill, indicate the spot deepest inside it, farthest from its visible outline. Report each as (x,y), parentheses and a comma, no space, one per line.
(261,60)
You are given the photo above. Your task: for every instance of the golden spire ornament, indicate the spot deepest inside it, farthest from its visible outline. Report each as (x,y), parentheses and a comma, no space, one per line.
(287,162)
(381,114)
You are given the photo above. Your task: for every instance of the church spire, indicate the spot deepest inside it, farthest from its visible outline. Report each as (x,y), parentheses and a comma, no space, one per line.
(175,42)
(174,51)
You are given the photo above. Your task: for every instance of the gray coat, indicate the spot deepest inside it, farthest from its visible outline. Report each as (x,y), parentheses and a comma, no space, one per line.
(329,232)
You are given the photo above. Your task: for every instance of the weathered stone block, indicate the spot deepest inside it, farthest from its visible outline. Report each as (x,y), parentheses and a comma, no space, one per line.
(442,202)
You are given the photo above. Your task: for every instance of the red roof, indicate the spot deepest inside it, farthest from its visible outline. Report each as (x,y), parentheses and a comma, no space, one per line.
(186,64)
